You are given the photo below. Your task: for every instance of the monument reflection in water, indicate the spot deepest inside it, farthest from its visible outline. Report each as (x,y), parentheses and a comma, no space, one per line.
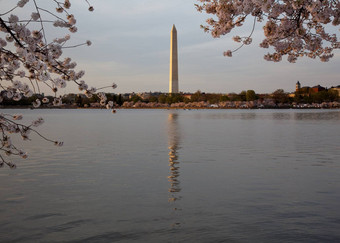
(173,140)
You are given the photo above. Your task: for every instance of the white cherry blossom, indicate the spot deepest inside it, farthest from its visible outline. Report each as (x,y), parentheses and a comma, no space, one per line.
(291,28)
(28,60)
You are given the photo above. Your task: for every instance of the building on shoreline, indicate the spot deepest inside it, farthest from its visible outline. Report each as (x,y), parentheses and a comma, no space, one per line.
(307,89)
(336,88)
(297,86)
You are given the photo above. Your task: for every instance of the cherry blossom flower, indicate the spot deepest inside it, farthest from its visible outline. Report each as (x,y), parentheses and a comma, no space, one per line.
(28,60)
(82,85)
(36,103)
(17,117)
(67,4)
(57,102)
(73,29)
(35,16)
(38,122)
(9,94)
(293,28)
(22,3)
(23,154)
(16,84)
(71,19)
(109,105)
(58,143)
(59,10)
(228,53)
(17,96)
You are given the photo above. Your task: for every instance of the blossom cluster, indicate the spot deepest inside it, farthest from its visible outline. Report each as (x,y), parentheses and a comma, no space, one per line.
(292,28)
(10,125)
(29,61)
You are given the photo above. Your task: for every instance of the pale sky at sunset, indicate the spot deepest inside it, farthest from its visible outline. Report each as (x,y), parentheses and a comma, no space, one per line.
(131,40)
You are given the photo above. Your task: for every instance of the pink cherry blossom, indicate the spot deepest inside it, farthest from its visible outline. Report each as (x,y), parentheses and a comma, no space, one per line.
(28,60)
(291,28)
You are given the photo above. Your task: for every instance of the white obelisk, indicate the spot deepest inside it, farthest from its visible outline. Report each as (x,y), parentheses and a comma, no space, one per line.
(173,77)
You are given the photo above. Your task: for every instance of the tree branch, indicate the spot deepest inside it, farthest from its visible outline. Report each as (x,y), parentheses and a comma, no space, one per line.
(10,32)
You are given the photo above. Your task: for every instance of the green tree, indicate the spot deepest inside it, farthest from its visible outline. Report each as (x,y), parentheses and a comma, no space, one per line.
(213,98)
(234,97)
(162,99)
(280,96)
(94,99)
(319,97)
(224,98)
(136,98)
(78,100)
(243,95)
(198,96)
(153,99)
(168,99)
(120,100)
(175,98)
(251,95)
(333,95)
(111,97)
(186,100)
(324,96)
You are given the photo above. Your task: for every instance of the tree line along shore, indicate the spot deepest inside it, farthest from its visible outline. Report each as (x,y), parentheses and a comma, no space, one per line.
(243,100)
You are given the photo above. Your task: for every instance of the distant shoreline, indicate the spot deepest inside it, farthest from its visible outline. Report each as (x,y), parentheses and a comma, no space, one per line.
(167,108)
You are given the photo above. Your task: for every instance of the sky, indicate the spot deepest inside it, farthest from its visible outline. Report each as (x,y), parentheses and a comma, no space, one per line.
(131,47)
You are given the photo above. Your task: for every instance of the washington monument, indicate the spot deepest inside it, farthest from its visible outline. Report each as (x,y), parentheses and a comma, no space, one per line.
(173,77)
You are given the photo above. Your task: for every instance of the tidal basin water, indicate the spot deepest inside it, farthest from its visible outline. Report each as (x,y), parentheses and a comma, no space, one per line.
(176,176)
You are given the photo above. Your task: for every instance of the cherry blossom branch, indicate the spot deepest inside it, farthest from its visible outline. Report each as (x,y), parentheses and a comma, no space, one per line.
(293,28)
(11,10)
(10,126)
(10,32)
(88,43)
(27,61)
(41,24)
(54,15)
(247,41)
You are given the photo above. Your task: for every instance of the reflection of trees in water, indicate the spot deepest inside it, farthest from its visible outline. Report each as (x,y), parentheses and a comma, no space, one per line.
(326,115)
(173,139)
(309,115)
(281,116)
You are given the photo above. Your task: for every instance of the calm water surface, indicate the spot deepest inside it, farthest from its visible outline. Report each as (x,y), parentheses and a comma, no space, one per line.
(176,176)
